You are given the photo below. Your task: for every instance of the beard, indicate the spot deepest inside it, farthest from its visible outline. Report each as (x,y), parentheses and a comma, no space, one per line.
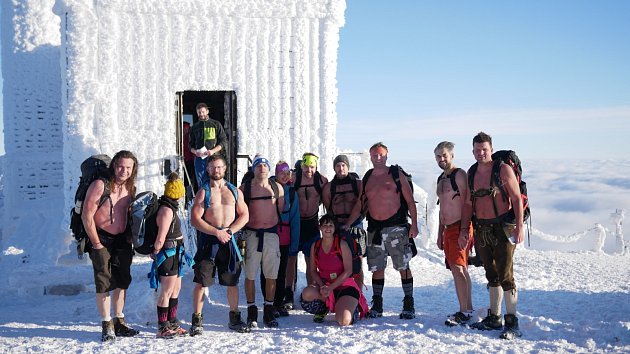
(217,176)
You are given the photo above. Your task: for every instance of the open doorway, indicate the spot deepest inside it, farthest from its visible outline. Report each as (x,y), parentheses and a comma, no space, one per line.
(222,108)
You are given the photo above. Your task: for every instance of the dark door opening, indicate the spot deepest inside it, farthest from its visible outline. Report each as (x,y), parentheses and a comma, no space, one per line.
(222,106)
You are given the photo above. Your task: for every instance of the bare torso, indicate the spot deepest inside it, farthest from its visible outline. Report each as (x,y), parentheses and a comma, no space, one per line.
(343,201)
(451,202)
(308,197)
(120,200)
(262,212)
(383,200)
(483,206)
(222,210)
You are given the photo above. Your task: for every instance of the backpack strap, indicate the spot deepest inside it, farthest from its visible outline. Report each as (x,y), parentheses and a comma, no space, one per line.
(496,170)
(206,188)
(105,197)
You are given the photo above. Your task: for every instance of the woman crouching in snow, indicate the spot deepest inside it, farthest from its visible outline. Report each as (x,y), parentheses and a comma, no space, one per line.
(333,288)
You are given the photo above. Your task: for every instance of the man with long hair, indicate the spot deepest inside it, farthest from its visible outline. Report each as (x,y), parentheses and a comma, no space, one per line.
(111,251)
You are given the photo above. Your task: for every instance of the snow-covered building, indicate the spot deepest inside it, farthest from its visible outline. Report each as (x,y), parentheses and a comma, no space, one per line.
(84,77)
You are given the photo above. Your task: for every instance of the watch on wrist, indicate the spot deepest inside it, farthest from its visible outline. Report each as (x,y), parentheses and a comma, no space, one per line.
(229,231)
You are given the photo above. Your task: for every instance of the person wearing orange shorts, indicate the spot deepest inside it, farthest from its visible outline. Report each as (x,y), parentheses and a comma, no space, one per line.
(454,234)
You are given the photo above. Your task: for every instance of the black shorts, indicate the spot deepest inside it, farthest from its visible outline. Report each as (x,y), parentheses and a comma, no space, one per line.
(213,256)
(112,263)
(346,291)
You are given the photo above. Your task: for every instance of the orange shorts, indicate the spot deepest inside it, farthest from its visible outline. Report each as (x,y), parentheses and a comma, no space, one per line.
(454,255)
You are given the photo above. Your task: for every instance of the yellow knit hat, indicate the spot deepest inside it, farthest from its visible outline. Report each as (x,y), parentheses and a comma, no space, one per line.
(174,188)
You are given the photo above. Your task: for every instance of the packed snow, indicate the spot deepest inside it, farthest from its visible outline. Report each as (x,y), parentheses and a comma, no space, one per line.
(570,300)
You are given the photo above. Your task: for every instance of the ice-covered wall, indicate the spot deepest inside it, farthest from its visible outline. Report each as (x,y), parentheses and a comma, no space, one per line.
(32,104)
(125,61)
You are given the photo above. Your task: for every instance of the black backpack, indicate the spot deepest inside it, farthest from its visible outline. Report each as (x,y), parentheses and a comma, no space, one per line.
(354,182)
(247,191)
(93,168)
(510,158)
(144,208)
(318,182)
(394,171)
(451,177)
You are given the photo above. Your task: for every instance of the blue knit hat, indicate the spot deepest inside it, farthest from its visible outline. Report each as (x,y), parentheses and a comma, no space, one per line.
(258,159)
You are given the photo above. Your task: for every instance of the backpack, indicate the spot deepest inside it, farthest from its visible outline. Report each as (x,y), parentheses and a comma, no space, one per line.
(206,204)
(247,191)
(355,251)
(394,171)
(317,181)
(451,177)
(354,181)
(510,158)
(93,168)
(144,208)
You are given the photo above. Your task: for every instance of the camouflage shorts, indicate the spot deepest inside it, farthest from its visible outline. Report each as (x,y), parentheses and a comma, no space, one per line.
(395,244)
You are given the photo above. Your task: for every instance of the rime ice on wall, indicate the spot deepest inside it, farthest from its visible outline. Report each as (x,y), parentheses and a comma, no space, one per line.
(82,77)
(127,59)
(32,104)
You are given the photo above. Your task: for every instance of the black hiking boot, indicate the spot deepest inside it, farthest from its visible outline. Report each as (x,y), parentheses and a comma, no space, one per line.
(282,311)
(196,328)
(236,324)
(490,323)
(288,299)
(458,319)
(108,334)
(121,328)
(269,316)
(377,307)
(510,330)
(252,316)
(408,311)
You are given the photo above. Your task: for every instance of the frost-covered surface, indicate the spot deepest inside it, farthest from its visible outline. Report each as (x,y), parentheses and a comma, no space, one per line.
(569,301)
(85,77)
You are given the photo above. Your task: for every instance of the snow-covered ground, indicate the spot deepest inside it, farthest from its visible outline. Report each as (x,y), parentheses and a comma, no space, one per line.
(569,301)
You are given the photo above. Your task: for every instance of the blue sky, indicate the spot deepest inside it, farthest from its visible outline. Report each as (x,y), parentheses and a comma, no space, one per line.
(546,78)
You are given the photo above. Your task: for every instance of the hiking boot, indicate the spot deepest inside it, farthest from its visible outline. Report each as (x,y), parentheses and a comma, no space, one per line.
(319,317)
(457,319)
(510,330)
(197,325)
(165,331)
(288,299)
(252,316)
(377,307)
(282,311)
(491,322)
(121,328)
(108,334)
(269,316)
(408,311)
(236,324)
(175,326)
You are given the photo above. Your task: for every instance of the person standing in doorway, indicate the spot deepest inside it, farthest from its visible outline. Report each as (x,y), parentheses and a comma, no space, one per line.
(206,138)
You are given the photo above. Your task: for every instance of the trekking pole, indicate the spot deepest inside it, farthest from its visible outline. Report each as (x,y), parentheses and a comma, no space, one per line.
(192,185)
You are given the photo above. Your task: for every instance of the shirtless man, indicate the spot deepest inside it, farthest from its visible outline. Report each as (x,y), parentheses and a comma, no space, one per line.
(111,252)
(454,234)
(261,236)
(308,186)
(340,196)
(388,231)
(496,219)
(224,214)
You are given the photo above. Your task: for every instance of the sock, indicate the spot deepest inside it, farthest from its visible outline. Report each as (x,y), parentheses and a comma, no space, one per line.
(268,302)
(162,314)
(106,319)
(172,309)
(251,303)
(378,285)
(407,285)
(120,315)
